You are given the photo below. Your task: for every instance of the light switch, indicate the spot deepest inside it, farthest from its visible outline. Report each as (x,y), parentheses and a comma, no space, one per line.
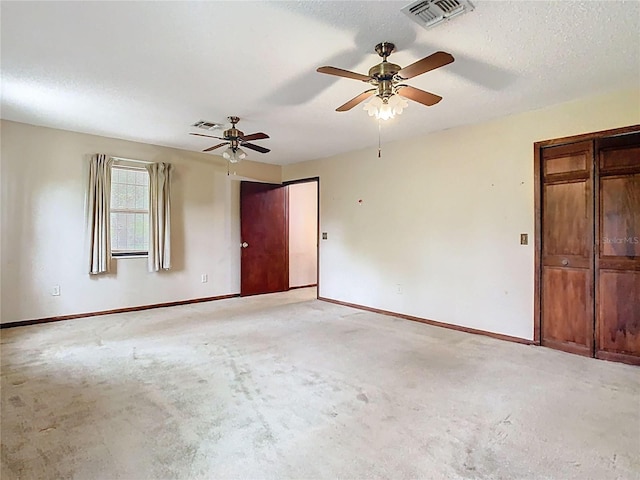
(524,239)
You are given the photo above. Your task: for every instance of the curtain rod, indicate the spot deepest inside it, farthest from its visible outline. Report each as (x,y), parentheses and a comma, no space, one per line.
(132,160)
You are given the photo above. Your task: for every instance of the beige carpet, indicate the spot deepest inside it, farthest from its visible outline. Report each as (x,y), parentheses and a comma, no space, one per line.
(285,386)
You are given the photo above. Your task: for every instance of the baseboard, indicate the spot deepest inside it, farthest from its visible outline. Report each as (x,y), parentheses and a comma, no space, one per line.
(24,323)
(582,350)
(618,357)
(304,286)
(499,336)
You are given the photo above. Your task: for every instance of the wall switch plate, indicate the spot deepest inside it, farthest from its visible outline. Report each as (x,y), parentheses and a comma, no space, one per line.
(524,239)
(55,291)
(324,235)
(204,278)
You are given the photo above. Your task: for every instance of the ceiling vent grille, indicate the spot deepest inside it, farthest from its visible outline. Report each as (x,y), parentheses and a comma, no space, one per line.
(429,13)
(203,124)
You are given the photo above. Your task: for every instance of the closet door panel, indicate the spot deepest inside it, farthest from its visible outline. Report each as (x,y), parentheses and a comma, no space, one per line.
(567,248)
(566,309)
(620,216)
(618,247)
(565,216)
(619,313)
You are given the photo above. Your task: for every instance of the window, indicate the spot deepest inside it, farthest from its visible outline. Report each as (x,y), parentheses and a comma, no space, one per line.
(129,211)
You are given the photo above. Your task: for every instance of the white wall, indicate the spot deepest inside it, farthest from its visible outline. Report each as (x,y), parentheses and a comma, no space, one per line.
(44,176)
(303,234)
(437,233)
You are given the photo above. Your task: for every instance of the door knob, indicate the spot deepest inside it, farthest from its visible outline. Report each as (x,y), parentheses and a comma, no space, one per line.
(244,245)
(565,262)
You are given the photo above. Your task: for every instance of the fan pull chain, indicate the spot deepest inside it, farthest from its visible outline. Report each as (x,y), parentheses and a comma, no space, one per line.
(379,134)
(227,169)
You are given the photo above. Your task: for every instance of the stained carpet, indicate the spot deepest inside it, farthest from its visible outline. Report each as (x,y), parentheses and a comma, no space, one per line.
(284,386)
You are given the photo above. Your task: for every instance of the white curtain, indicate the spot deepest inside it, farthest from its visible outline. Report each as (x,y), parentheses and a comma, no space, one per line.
(159,216)
(98,206)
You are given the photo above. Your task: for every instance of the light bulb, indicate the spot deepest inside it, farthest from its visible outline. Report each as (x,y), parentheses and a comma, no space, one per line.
(385,112)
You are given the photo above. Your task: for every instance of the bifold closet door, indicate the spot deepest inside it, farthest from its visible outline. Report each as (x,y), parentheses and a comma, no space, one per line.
(618,247)
(567,277)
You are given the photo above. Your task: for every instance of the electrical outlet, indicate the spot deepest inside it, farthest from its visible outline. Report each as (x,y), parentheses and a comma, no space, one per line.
(55,291)
(204,278)
(324,235)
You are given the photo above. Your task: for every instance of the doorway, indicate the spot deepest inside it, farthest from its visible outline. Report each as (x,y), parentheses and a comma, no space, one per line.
(303,234)
(279,236)
(587,295)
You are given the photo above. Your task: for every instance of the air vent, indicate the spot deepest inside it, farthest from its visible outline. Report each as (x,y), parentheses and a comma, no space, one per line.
(203,124)
(429,13)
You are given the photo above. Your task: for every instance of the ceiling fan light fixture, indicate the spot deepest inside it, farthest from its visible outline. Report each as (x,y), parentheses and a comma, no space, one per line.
(388,97)
(234,155)
(385,109)
(397,103)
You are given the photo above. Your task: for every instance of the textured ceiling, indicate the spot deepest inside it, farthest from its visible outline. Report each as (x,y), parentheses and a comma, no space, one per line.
(145,71)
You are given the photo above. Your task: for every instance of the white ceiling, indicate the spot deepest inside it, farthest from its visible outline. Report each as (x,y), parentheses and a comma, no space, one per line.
(145,71)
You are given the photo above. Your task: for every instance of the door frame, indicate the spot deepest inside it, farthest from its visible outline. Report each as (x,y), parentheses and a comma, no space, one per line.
(537,175)
(317,181)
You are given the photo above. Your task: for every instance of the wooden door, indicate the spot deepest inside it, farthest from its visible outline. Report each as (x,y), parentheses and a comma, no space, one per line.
(618,249)
(567,234)
(264,261)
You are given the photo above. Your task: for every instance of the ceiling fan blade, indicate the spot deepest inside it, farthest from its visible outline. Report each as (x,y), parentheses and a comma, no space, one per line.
(208,136)
(343,73)
(356,100)
(214,147)
(257,148)
(436,60)
(254,136)
(418,95)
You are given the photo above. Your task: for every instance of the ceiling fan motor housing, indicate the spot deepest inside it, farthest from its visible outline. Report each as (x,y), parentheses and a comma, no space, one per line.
(383,75)
(384,71)
(233,133)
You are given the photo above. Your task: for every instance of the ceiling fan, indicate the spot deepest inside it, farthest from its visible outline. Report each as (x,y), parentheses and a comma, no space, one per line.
(387,78)
(235,139)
